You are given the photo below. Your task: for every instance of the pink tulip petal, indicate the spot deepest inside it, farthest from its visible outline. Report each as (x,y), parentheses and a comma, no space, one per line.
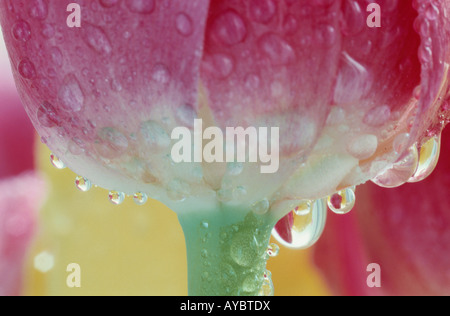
(106,96)
(378,109)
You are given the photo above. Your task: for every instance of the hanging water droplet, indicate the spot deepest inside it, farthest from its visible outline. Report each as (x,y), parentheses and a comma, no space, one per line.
(267,288)
(140,198)
(300,230)
(57,162)
(343,201)
(304,208)
(400,172)
(116,197)
(204,224)
(261,207)
(273,250)
(428,159)
(83,184)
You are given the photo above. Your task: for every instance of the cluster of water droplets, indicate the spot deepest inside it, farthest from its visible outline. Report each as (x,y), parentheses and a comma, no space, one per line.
(84,185)
(416,164)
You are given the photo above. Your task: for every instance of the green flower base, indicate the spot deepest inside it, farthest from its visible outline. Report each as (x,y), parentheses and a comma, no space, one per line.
(226,251)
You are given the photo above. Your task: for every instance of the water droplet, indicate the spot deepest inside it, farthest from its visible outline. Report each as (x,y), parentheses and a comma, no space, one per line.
(228,28)
(277,49)
(26,69)
(303,208)
(204,224)
(141,6)
(261,207)
(44,262)
(108,3)
(400,172)
(70,94)
(377,116)
(252,282)
(363,147)
(244,249)
(161,74)
(97,39)
(116,197)
(343,201)
(325,35)
(113,143)
(57,162)
(267,288)
(38,9)
(220,66)
(140,198)
(184,24)
(21,31)
(83,184)
(154,135)
(262,11)
(428,159)
(273,250)
(302,231)
(239,193)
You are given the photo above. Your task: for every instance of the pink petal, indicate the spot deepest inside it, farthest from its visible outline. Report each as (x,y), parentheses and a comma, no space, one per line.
(98,94)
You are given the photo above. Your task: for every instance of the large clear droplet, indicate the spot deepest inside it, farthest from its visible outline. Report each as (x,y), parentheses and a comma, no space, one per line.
(343,201)
(302,228)
(400,172)
(56,162)
(428,159)
(83,184)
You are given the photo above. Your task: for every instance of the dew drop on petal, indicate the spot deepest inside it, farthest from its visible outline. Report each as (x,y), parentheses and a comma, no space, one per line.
(56,162)
(141,6)
(140,198)
(228,28)
(261,207)
(343,201)
(116,197)
(428,159)
(184,24)
(83,184)
(302,231)
(21,31)
(26,69)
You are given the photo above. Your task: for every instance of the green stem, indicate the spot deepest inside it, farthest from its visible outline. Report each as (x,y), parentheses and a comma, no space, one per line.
(226,251)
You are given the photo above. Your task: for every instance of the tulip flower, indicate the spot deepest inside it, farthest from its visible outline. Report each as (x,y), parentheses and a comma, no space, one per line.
(346,99)
(21,188)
